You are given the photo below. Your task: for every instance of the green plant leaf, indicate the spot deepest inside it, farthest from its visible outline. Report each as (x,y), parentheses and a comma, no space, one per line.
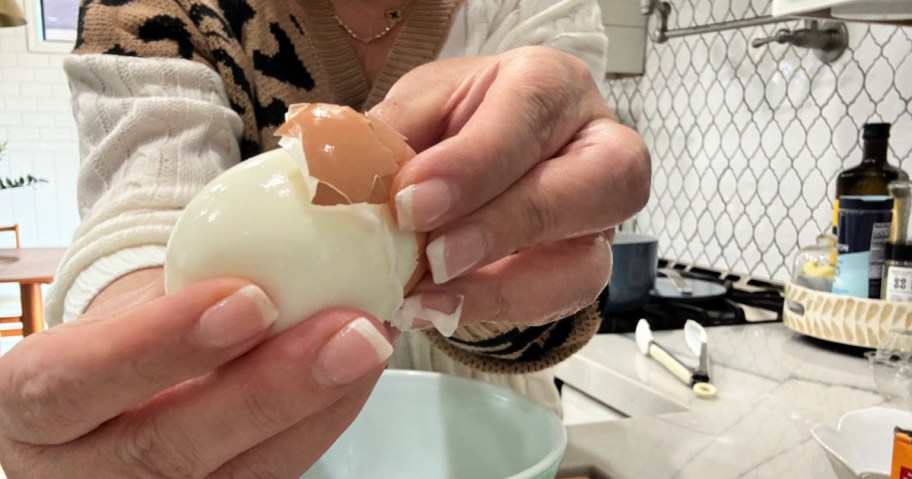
(7,182)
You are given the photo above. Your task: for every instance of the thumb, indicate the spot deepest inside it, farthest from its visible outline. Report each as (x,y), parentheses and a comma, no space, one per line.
(418,116)
(431,103)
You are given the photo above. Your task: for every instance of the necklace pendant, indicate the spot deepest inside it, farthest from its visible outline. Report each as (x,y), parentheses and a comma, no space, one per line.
(393,16)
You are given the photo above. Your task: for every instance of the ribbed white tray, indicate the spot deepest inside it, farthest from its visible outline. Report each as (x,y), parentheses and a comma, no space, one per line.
(843,319)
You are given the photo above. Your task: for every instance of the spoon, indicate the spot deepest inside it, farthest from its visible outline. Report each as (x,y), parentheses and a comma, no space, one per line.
(695,337)
(650,348)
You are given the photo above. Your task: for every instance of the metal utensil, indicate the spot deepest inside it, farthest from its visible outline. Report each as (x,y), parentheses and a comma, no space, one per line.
(696,339)
(689,376)
(674,286)
(678,281)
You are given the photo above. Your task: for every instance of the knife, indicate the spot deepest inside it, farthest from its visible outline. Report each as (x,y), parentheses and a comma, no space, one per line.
(695,337)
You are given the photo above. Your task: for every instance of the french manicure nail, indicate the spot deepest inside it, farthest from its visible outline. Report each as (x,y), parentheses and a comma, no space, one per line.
(419,204)
(456,252)
(237,318)
(353,352)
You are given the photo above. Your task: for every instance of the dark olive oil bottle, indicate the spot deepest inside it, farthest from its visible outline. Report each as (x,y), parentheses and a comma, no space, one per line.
(874,173)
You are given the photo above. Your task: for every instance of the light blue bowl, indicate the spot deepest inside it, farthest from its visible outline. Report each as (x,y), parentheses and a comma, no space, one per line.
(420,425)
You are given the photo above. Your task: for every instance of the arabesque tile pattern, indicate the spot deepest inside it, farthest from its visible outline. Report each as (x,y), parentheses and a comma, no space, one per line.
(747,142)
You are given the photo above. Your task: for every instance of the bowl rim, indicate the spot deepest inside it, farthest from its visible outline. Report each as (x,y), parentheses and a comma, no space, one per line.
(835,424)
(831,452)
(544,463)
(628,238)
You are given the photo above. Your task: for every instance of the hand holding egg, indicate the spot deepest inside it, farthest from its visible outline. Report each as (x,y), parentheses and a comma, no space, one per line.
(309,222)
(522,173)
(209,386)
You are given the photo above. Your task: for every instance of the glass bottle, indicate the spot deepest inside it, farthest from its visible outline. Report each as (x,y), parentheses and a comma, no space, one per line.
(874,173)
(897,274)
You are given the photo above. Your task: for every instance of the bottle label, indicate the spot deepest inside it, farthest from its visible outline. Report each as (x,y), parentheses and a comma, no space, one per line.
(852,274)
(899,283)
(861,236)
(880,233)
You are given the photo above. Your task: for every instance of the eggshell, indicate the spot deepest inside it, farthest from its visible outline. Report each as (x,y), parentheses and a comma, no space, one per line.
(353,156)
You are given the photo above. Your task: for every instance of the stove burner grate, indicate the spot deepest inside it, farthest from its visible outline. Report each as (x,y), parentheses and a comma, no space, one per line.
(746,301)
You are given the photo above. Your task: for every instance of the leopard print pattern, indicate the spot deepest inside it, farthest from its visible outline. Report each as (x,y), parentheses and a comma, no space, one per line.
(269,54)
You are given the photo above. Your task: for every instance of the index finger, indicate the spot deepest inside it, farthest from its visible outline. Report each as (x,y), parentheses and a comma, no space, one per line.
(499,123)
(64,382)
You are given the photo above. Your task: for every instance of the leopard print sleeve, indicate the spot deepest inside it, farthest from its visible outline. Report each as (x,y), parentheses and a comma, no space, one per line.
(144,28)
(510,349)
(203,31)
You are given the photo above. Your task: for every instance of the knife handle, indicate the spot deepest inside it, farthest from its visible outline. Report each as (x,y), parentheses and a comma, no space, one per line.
(670,363)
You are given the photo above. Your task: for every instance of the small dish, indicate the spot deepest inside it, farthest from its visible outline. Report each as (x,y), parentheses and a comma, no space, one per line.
(891,364)
(859,445)
(892,376)
(897,342)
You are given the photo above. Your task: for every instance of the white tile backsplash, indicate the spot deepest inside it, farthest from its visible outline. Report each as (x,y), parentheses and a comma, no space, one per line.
(747,142)
(37,124)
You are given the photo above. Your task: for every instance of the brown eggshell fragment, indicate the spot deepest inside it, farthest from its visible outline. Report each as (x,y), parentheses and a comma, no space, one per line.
(421,268)
(392,140)
(354,155)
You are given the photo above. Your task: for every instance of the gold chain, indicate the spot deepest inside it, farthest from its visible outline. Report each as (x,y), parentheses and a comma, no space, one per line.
(393,17)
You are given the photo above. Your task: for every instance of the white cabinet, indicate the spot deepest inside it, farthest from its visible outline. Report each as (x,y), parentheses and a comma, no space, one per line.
(871,10)
(626,28)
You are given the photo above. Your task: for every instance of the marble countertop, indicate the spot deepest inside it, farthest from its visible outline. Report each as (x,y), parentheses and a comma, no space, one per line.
(773,385)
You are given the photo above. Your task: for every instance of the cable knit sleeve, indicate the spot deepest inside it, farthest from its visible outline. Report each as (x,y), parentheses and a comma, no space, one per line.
(571,26)
(152,133)
(485,28)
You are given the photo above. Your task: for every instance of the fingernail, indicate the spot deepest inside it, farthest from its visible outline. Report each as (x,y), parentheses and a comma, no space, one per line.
(353,352)
(456,252)
(237,318)
(419,204)
(421,311)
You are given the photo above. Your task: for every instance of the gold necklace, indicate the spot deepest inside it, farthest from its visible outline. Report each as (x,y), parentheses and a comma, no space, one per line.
(393,17)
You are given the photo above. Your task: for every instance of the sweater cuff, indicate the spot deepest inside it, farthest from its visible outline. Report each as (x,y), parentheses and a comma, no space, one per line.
(105,271)
(510,349)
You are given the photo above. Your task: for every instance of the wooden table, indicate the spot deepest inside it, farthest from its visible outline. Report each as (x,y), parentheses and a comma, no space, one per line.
(32,268)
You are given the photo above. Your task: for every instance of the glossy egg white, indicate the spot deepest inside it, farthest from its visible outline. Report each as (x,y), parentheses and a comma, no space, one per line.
(255,221)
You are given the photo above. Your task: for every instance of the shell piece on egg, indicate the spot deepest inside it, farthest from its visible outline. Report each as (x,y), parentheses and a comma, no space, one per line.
(353,156)
(310,223)
(338,141)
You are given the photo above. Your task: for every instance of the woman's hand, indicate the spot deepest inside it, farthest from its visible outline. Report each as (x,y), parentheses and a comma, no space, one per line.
(521,175)
(184,385)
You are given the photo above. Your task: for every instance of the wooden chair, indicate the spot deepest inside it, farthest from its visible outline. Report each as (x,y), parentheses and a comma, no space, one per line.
(15,230)
(11,319)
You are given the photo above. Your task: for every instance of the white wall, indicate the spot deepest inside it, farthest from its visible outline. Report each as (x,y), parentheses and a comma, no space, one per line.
(37,124)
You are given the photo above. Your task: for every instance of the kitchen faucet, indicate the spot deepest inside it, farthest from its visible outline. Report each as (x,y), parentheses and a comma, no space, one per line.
(828,40)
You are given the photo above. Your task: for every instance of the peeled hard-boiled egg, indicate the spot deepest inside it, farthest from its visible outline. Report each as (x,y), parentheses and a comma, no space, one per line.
(308,222)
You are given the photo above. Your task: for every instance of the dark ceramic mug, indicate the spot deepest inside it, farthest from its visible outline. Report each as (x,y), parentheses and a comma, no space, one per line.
(634,272)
